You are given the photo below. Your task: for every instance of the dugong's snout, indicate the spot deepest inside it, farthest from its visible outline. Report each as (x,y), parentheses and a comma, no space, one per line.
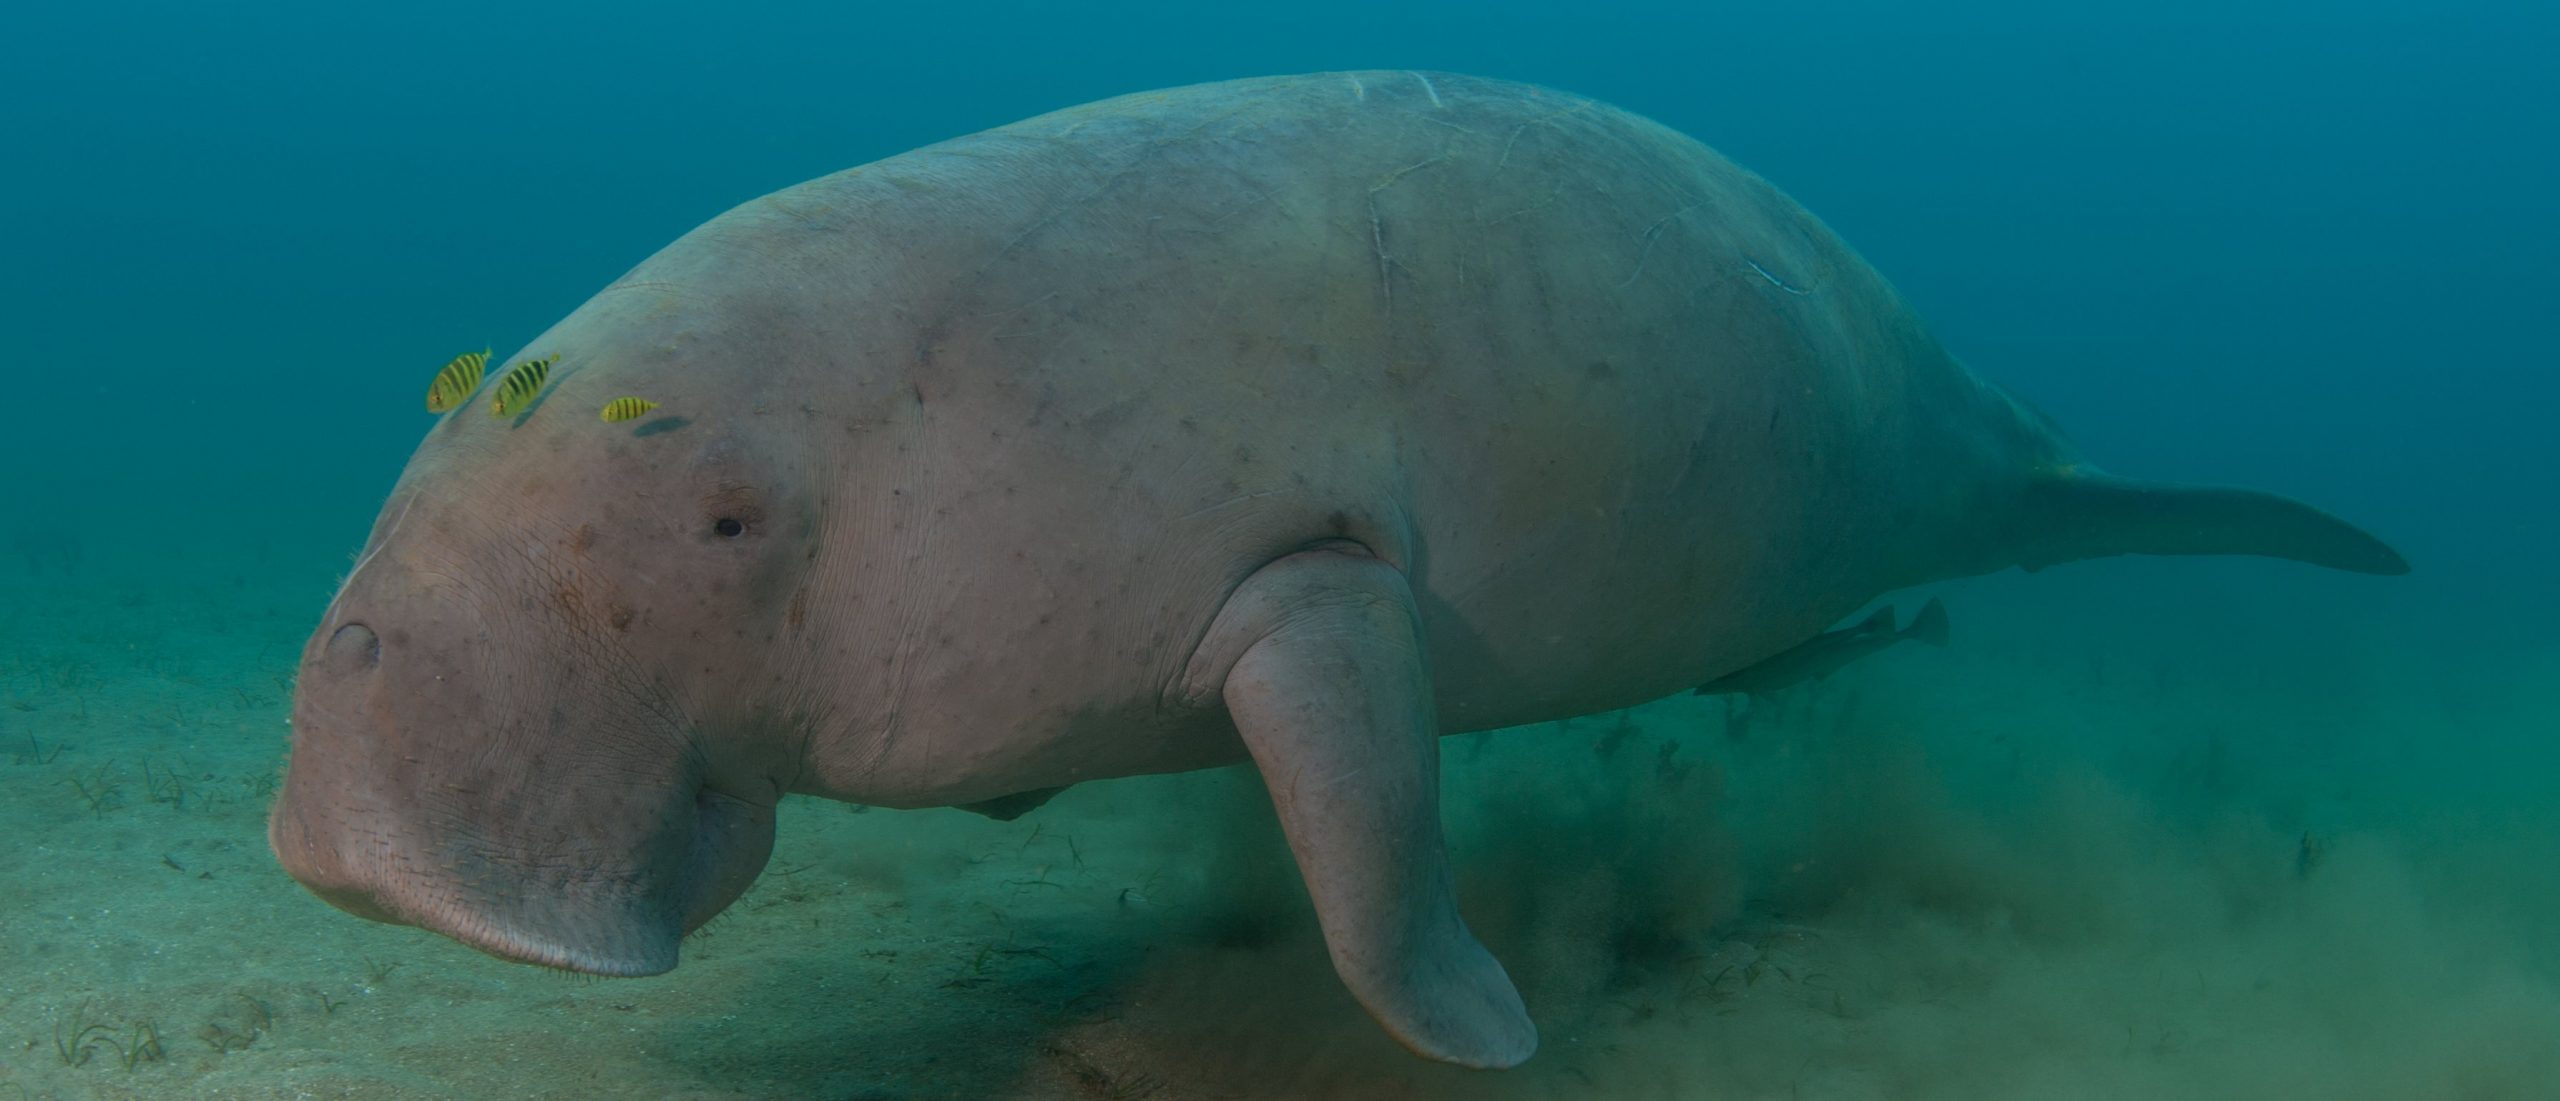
(425,789)
(616,924)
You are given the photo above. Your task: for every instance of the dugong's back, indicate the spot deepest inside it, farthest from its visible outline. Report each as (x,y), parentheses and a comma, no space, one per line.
(1571,369)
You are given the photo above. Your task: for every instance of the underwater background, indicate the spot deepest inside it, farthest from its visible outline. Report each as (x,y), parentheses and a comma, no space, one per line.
(2144,829)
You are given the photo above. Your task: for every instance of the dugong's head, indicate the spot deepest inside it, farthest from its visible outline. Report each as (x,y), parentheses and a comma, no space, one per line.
(549,713)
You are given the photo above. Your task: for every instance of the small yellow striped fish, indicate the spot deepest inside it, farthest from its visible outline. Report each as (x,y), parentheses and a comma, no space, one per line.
(523,381)
(456,382)
(627,409)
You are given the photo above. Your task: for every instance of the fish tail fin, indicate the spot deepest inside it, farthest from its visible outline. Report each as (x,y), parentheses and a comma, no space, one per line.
(2079,513)
(1930,625)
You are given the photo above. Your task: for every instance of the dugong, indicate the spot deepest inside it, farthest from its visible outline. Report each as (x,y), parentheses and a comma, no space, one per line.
(1300,420)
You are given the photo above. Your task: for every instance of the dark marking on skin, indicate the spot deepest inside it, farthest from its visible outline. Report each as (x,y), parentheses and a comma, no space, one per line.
(1340,522)
(620,617)
(1599,370)
(799,608)
(582,539)
(662,424)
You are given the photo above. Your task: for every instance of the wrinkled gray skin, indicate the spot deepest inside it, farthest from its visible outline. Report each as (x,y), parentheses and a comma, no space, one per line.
(1297,420)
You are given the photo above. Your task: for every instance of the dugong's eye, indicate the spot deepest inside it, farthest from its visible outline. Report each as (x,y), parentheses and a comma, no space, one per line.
(728,527)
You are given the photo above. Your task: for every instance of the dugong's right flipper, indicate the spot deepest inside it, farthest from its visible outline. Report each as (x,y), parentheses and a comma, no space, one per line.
(1319,660)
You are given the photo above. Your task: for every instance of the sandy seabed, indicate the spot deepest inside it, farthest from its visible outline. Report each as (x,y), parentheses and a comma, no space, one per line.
(2037,864)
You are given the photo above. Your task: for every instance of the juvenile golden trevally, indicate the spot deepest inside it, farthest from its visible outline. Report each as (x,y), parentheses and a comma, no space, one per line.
(456,382)
(523,381)
(624,409)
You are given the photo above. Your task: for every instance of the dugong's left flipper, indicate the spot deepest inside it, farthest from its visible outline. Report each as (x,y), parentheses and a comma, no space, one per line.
(1324,675)
(1006,808)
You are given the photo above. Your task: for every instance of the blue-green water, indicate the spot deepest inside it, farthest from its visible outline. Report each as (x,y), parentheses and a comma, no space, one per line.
(2192,828)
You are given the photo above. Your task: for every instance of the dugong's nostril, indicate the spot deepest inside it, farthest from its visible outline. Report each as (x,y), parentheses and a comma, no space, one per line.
(352,649)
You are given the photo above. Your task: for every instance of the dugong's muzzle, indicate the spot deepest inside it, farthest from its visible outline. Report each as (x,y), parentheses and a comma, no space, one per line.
(517,797)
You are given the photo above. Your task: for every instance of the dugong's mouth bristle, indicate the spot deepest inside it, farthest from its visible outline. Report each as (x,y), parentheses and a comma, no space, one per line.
(634,950)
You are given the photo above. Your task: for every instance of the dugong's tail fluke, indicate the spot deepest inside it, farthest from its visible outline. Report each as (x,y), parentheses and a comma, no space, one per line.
(2090,515)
